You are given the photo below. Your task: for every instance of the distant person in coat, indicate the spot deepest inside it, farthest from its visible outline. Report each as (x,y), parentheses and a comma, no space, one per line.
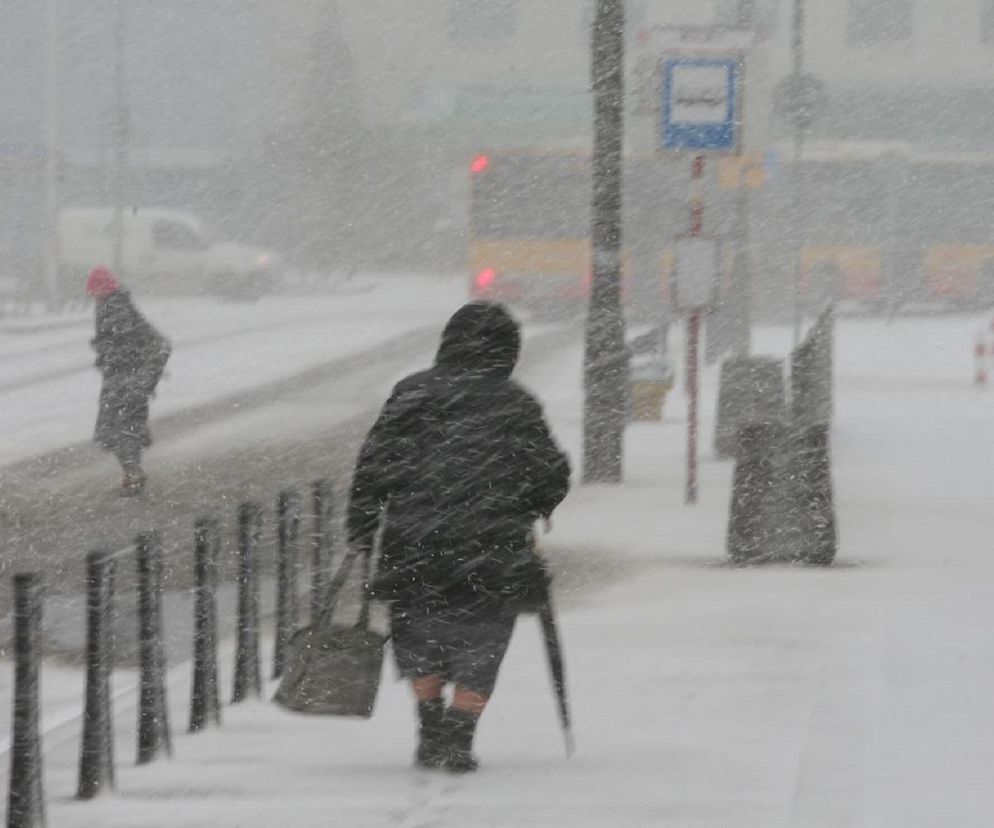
(457,470)
(131,356)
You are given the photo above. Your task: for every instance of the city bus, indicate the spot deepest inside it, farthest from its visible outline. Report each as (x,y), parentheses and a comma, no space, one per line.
(872,227)
(882,226)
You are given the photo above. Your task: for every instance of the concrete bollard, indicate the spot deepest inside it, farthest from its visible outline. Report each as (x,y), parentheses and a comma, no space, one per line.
(288,520)
(811,379)
(751,391)
(816,507)
(750,534)
(96,760)
(26,798)
(248,677)
(205,703)
(153,713)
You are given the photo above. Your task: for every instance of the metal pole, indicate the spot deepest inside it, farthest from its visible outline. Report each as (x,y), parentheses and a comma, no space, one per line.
(205,703)
(248,673)
(52,151)
(26,797)
(96,760)
(121,136)
(288,518)
(604,364)
(797,55)
(693,335)
(742,264)
(153,716)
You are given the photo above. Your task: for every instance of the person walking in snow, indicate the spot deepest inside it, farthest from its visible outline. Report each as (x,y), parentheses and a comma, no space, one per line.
(131,356)
(456,471)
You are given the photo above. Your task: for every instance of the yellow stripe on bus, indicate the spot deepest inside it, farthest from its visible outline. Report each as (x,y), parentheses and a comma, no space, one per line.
(531,255)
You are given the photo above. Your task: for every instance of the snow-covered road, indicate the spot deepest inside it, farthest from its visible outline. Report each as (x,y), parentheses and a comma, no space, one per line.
(49,385)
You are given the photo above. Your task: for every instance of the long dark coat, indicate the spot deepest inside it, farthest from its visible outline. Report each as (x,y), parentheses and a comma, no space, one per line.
(131,356)
(459,466)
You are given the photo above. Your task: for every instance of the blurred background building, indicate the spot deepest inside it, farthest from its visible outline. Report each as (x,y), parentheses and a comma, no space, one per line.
(339,130)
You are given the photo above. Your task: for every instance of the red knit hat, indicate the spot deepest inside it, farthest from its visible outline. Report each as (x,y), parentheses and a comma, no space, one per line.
(101,283)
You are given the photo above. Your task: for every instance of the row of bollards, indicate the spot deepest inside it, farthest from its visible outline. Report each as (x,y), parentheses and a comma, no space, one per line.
(26,805)
(782,506)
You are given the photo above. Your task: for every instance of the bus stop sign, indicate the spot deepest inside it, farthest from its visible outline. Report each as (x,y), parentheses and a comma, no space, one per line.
(700,104)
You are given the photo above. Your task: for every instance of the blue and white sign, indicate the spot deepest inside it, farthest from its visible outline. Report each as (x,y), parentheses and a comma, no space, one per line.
(700,103)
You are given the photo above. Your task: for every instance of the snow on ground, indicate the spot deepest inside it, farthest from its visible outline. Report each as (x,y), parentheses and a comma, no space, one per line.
(50,388)
(703,694)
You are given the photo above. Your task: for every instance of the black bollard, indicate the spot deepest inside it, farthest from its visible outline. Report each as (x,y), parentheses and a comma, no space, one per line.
(288,514)
(153,718)
(96,761)
(749,527)
(816,504)
(26,799)
(321,545)
(751,390)
(248,677)
(811,375)
(205,702)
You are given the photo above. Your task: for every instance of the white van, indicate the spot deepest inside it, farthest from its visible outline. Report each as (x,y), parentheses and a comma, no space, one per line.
(164,251)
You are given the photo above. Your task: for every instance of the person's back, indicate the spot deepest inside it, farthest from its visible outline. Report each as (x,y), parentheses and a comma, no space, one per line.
(459,465)
(463,459)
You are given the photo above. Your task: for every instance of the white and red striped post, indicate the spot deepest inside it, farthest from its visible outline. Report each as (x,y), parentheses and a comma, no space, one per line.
(694,334)
(980,375)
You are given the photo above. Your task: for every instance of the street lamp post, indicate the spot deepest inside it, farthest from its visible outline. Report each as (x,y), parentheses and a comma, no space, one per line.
(122,128)
(604,364)
(52,150)
(797,57)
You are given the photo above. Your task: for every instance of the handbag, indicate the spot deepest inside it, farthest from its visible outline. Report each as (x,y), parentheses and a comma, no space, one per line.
(334,669)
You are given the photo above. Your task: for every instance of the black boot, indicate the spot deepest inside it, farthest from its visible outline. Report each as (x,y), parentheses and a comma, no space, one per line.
(460,727)
(431,734)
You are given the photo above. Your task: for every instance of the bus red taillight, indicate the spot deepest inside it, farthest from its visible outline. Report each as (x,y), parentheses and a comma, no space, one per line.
(485,278)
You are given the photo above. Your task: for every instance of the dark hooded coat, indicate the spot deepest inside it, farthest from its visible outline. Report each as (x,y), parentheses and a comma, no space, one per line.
(131,356)
(458,466)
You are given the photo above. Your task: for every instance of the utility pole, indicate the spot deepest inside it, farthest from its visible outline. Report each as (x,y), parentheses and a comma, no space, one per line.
(741,321)
(52,150)
(122,128)
(797,59)
(605,367)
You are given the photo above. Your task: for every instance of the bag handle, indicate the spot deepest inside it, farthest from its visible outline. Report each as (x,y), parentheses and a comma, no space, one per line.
(339,581)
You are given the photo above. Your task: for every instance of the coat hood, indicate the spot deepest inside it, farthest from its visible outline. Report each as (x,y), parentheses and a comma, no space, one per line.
(482,339)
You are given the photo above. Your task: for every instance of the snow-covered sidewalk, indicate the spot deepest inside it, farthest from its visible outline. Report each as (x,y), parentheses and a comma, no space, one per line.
(702,694)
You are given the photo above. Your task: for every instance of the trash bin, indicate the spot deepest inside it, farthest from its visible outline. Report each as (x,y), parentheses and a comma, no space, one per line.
(649,381)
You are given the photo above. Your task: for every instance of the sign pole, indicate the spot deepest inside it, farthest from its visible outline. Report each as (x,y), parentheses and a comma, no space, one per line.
(700,114)
(693,334)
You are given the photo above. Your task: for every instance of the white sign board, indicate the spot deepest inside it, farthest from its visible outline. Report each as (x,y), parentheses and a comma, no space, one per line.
(699,104)
(700,94)
(695,282)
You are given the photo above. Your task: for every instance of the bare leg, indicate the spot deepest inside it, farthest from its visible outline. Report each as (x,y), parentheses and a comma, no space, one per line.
(427,688)
(469,701)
